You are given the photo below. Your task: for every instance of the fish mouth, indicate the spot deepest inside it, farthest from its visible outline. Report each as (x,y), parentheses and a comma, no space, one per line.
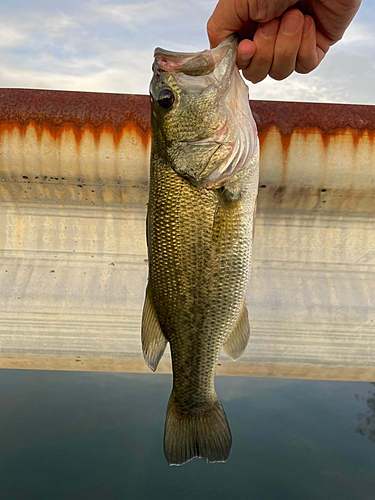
(193,63)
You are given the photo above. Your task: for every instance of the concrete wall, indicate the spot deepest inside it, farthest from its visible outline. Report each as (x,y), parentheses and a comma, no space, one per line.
(73,268)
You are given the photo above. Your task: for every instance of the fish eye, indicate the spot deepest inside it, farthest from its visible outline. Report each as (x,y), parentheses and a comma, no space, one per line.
(165,98)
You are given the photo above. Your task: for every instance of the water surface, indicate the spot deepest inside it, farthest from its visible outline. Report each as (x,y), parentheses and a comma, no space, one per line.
(66,435)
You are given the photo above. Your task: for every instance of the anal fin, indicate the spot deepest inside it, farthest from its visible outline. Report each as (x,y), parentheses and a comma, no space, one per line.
(153,339)
(239,338)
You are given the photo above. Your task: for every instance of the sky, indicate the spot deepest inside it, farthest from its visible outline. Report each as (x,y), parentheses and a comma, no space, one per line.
(107,46)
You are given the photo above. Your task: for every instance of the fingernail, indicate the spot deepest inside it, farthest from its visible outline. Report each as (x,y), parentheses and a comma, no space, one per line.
(291,24)
(270,29)
(307,25)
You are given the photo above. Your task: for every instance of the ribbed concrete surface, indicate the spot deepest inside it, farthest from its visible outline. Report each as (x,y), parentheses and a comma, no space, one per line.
(309,303)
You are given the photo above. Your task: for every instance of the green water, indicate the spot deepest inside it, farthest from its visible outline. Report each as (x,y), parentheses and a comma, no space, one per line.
(98,436)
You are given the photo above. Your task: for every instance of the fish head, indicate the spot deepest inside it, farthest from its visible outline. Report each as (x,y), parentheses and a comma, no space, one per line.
(201,120)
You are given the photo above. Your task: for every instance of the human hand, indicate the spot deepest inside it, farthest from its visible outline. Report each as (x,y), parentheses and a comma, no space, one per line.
(276,39)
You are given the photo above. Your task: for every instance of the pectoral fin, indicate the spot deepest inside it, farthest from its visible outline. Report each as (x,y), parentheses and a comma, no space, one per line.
(153,339)
(238,339)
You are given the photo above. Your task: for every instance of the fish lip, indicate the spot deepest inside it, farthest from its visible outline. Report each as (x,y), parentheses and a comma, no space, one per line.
(176,55)
(175,62)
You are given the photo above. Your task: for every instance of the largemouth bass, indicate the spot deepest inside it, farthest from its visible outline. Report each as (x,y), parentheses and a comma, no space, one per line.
(203,189)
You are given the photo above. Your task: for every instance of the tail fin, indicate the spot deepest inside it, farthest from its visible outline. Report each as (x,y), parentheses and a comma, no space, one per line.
(188,435)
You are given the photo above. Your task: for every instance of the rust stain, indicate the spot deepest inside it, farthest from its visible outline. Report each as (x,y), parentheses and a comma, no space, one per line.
(306,132)
(325,118)
(285,143)
(58,112)
(356,137)
(130,127)
(262,138)
(55,109)
(326,139)
(116,112)
(6,127)
(56,134)
(111,117)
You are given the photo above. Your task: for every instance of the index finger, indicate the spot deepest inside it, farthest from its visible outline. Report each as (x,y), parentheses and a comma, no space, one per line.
(243,16)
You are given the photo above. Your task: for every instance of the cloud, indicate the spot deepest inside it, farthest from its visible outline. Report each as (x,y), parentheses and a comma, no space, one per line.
(107,46)
(124,70)
(346,75)
(99,46)
(20,29)
(11,36)
(53,26)
(137,15)
(358,34)
(97,82)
